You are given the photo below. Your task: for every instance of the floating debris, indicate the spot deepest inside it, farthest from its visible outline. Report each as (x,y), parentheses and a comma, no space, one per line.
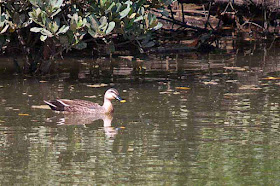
(231,81)
(271,78)
(22,114)
(210,83)
(166,92)
(182,88)
(235,68)
(249,87)
(237,94)
(126,57)
(42,81)
(98,85)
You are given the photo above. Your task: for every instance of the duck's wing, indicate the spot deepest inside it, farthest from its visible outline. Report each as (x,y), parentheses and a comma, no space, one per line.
(85,103)
(71,105)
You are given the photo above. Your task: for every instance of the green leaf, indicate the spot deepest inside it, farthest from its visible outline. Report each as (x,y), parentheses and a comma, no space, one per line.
(118,7)
(125,12)
(46,32)
(43,37)
(110,27)
(56,12)
(93,22)
(36,29)
(141,11)
(56,3)
(140,18)
(159,25)
(63,29)
(110,7)
(103,20)
(55,25)
(132,15)
(33,2)
(102,2)
(5,29)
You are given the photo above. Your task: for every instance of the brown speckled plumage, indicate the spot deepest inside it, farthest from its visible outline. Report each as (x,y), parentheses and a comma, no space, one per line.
(83,106)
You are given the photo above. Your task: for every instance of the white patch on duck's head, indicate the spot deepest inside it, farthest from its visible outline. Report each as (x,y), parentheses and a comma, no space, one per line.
(112,94)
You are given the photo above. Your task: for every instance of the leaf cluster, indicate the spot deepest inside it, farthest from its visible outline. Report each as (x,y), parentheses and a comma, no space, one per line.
(66,22)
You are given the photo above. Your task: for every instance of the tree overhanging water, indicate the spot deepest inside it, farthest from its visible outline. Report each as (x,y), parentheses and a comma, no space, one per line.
(45,30)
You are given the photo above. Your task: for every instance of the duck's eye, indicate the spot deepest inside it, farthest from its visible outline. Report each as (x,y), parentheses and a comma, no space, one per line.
(113,92)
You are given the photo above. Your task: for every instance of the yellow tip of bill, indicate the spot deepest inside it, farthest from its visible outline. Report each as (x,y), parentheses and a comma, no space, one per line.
(123,101)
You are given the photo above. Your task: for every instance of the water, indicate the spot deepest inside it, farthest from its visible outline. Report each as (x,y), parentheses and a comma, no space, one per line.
(223,130)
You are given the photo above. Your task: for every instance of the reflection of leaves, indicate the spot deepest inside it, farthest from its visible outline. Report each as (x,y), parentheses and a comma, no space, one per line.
(210,83)
(249,87)
(237,94)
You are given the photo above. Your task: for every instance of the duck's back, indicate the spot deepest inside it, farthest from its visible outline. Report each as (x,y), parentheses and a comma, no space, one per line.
(76,105)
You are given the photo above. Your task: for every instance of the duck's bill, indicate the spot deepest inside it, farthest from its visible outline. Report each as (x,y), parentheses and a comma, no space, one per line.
(119,98)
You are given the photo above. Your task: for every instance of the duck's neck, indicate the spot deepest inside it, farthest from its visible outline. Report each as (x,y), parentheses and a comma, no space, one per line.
(107,105)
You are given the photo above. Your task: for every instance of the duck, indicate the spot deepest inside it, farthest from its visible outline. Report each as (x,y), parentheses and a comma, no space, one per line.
(83,106)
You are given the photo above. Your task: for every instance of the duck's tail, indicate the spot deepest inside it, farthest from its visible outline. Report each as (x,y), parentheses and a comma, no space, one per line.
(52,106)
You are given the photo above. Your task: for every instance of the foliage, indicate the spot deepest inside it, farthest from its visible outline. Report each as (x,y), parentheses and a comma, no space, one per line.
(60,25)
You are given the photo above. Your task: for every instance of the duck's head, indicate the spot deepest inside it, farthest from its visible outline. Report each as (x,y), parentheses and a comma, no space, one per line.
(112,94)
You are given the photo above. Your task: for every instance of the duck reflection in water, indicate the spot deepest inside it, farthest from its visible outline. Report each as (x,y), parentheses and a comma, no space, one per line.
(77,112)
(85,119)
